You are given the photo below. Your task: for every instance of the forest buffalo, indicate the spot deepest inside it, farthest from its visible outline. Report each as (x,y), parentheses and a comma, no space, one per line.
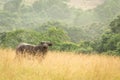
(40,49)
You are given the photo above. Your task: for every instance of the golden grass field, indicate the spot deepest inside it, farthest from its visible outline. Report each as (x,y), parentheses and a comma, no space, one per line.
(59,66)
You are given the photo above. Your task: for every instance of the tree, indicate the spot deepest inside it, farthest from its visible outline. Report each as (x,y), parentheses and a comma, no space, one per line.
(115,25)
(110,40)
(55,9)
(13,38)
(12,5)
(111,7)
(57,35)
(7,20)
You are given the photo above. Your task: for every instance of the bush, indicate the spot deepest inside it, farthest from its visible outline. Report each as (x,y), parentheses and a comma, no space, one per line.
(115,53)
(84,50)
(68,46)
(13,38)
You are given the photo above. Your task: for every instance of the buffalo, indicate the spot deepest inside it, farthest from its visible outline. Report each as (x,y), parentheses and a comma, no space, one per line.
(40,49)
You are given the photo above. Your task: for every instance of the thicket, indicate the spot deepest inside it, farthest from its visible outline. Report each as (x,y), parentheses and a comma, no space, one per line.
(60,39)
(110,40)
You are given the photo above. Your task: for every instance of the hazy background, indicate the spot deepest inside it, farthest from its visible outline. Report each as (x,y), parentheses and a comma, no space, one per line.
(86,4)
(73,21)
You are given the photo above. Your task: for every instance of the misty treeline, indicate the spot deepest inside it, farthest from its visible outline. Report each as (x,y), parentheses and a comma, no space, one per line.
(70,29)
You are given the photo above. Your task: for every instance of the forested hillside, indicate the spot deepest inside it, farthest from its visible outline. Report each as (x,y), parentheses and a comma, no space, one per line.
(56,21)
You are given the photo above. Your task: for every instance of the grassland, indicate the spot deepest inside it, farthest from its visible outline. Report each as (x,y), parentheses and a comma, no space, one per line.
(59,66)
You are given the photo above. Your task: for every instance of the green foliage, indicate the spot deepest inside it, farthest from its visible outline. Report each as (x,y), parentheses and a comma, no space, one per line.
(110,41)
(12,5)
(118,47)
(82,47)
(85,47)
(84,50)
(108,10)
(7,20)
(80,25)
(55,9)
(87,33)
(68,46)
(68,28)
(115,25)
(11,39)
(57,35)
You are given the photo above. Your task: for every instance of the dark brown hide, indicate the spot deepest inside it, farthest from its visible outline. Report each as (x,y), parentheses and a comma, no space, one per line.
(41,49)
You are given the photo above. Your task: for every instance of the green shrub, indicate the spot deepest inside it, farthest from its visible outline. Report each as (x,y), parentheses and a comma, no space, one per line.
(84,50)
(68,46)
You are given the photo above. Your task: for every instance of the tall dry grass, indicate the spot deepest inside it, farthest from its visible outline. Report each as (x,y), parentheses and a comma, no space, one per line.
(59,66)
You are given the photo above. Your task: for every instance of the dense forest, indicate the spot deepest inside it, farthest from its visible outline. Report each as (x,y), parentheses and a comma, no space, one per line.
(69,28)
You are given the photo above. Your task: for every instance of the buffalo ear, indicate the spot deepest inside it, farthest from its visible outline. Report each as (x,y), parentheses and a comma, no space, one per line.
(42,42)
(50,44)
